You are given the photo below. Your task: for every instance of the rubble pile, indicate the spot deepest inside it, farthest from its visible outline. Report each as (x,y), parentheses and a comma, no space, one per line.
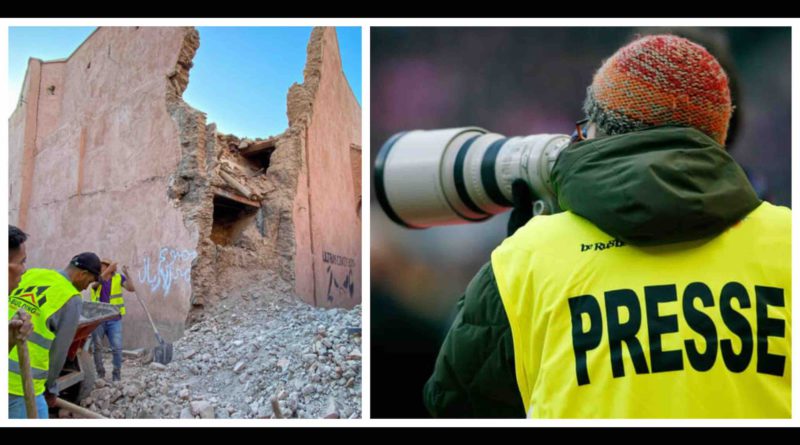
(248,359)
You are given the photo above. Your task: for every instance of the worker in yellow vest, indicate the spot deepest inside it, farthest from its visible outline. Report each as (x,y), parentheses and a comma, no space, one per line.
(109,290)
(19,326)
(52,298)
(664,288)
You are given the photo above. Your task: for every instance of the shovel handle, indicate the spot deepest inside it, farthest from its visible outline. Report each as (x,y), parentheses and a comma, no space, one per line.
(27,379)
(148,315)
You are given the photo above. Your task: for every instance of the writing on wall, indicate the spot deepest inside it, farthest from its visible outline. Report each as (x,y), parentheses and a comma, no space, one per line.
(165,269)
(340,276)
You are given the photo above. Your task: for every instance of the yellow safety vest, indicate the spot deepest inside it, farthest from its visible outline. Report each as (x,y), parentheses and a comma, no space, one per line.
(116,293)
(689,330)
(41,292)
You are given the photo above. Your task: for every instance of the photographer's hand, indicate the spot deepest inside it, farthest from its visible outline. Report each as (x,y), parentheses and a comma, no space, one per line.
(522,198)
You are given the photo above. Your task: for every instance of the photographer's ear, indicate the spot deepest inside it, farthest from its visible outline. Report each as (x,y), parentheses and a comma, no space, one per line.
(591,131)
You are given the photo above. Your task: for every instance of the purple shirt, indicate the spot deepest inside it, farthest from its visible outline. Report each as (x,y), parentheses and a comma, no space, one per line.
(105,291)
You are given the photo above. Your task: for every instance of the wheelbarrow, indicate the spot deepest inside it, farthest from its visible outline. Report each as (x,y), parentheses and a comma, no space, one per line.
(78,375)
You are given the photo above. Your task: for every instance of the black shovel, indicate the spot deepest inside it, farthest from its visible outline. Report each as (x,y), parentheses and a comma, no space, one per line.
(163,352)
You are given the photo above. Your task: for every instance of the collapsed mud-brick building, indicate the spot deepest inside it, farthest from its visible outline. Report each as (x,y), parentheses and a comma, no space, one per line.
(105,156)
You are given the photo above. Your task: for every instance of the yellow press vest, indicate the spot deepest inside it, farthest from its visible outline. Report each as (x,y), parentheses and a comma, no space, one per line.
(115,297)
(689,330)
(41,292)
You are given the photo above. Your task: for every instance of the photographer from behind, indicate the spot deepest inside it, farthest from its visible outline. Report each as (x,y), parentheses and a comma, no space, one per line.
(663,289)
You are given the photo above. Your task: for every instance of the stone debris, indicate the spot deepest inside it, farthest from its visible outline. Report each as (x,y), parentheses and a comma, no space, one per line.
(245,358)
(202,409)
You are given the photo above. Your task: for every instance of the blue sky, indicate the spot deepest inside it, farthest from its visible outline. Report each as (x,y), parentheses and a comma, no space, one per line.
(240,78)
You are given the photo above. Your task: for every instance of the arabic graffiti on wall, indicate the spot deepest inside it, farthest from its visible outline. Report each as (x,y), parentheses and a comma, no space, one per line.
(169,266)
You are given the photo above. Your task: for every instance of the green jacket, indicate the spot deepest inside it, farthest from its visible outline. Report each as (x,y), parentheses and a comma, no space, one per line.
(657,186)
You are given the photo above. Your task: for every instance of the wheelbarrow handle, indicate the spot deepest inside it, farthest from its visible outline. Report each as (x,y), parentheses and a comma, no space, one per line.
(81,411)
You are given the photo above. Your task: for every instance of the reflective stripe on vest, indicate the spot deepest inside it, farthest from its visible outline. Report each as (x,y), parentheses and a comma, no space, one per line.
(116,293)
(688,330)
(41,293)
(38,339)
(13,367)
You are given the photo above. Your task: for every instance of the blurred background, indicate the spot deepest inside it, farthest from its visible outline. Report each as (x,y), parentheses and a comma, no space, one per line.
(520,81)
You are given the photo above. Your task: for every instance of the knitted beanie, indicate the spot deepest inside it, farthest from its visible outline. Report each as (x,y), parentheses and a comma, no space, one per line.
(660,80)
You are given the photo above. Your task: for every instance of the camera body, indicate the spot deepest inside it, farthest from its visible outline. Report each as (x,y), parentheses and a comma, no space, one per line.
(426,178)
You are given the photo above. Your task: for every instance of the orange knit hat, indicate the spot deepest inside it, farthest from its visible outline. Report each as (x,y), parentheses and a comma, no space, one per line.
(660,80)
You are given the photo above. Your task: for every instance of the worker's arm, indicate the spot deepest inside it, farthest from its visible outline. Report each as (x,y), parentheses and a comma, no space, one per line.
(108,272)
(127,283)
(63,323)
(474,374)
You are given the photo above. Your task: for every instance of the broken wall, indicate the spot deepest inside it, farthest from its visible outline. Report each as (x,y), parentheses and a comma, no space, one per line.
(326,118)
(92,150)
(106,156)
(299,226)
(246,238)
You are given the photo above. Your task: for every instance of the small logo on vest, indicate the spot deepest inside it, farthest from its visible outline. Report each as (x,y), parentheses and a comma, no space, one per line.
(21,301)
(602,246)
